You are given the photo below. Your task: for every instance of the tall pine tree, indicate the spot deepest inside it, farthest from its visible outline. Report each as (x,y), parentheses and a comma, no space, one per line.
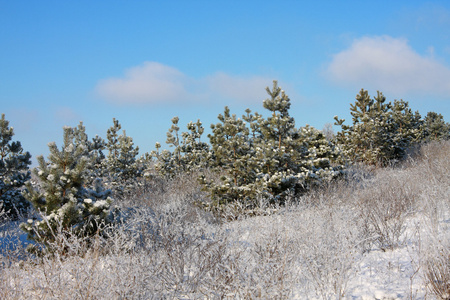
(268,157)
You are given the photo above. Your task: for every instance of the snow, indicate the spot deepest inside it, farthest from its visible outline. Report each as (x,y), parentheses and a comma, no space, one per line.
(386,275)
(319,248)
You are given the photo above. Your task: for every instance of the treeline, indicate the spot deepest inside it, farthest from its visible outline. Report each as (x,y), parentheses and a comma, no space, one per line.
(247,159)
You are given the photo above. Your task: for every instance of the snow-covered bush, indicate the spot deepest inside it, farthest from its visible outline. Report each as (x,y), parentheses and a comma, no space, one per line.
(14,172)
(62,200)
(431,163)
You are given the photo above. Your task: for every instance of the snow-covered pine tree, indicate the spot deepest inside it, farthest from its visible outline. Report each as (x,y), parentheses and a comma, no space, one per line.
(64,203)
(381,132)
(320,161)
(196,153)
(169,163)
(405,129)
(93,150)
(14,163)
(173,139)
(189,152)
(122,167)
(290,160)
(435,128)
(233,158)
(267,157)
(359,141)
(278,149)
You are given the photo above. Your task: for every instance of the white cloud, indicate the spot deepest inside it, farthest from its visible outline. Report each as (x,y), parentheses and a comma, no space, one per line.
(154,82)
(389,65)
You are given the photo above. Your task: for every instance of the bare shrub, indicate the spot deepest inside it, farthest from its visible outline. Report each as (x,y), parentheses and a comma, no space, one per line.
(437,271)
(436,258)
(272,274)
(151,255)
(384,207)
(329,249)
(428,169)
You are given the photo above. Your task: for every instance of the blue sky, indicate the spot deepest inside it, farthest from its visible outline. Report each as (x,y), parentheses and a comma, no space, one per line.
(144,62)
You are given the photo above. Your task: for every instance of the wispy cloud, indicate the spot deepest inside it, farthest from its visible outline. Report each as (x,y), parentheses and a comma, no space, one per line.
(390,65)
(155,83)
(149,83)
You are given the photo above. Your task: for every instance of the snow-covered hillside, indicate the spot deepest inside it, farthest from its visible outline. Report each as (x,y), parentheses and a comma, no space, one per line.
(382,234)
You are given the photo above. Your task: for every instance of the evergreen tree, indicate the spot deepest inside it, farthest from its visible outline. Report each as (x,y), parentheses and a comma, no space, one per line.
(381,132)
(268,157)
(122,168)
(169,163)
(279,127)
(255,157)
(14,172)
(62,199)
(233,156)
(93,150)
(405,128)
(196,154)
(290,160)
(189,152)
(435,128)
